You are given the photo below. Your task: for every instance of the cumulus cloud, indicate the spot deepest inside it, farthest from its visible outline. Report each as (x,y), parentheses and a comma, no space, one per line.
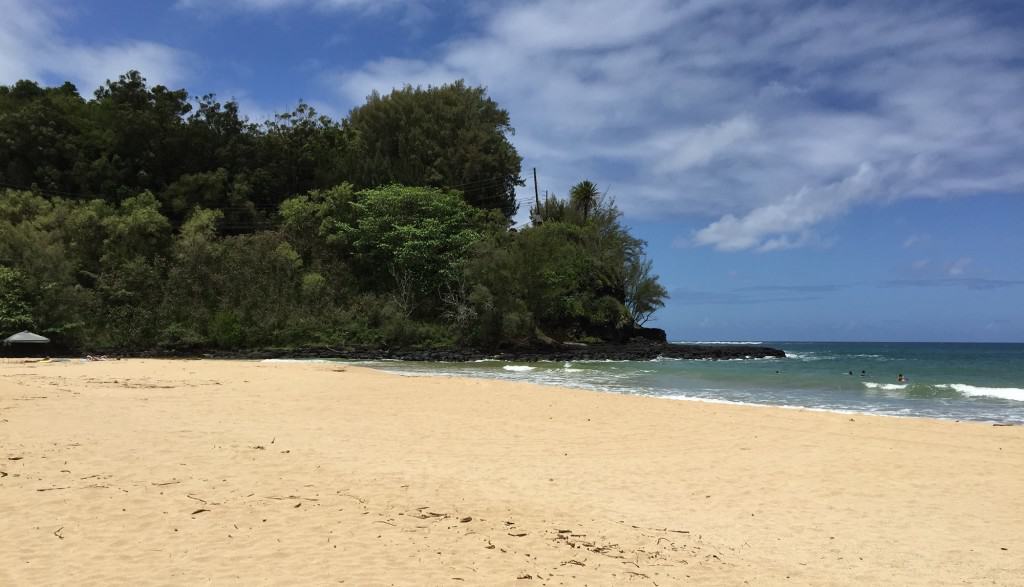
(33,47)
(767,117)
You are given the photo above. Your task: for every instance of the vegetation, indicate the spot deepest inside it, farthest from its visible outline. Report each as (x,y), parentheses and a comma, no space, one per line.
(143,219)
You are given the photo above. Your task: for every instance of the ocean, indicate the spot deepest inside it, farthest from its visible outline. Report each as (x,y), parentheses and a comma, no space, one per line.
(982,382)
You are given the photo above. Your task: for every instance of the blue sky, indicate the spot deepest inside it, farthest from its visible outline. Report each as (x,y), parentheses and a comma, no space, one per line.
(801,169)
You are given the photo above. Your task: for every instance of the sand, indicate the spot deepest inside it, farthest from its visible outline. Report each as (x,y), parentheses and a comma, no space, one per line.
(196,472)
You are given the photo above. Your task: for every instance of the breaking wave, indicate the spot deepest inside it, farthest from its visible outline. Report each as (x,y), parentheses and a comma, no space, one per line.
(885,386)
(1010,393)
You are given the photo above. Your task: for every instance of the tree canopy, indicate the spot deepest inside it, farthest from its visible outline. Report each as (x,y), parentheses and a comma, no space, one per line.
(450,136)
(146,218)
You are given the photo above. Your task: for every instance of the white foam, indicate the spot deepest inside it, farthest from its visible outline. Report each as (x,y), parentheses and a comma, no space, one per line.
(1010,393)
(708,400)
(609,384)
(518,368)
(298,361)
(884,386)
(809,356)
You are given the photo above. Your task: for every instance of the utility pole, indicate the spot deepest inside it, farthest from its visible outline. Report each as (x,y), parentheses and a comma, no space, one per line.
(536,192)
(535,217)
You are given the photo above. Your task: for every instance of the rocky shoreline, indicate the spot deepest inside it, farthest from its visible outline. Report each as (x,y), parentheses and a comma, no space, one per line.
(599,352)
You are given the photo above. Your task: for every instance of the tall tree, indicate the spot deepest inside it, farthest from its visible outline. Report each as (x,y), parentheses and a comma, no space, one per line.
(140,135)
(41,136)
(452,136)
(644,295)
(584,197)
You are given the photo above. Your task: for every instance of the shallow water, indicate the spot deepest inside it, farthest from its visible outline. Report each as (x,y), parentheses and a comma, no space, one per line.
(944,380)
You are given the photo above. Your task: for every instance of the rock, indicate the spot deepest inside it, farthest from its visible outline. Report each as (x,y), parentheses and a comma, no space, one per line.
(642,350)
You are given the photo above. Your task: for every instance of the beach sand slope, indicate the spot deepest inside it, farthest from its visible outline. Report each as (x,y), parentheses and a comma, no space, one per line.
(185,472)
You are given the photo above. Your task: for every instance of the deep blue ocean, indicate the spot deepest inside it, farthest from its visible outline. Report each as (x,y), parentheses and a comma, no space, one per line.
(943,380)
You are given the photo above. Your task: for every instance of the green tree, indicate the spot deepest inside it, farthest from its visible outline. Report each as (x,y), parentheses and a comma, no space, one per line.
(34,239)
(153,218)
(488,306)
(452,136)
(139,133)
(41,136)
(298,151)
(261,281)
(584,197)
(644,295)
(552,209)
(194,282)
(137,229)
(413,240)
(319,223)
(15,310)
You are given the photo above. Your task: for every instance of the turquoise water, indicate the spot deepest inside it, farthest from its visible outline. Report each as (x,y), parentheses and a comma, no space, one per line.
(955,381)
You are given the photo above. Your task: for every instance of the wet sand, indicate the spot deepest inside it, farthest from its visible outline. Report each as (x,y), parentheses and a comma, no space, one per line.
(186,472)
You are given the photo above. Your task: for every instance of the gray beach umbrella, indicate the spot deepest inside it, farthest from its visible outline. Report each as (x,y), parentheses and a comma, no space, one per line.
(26,337)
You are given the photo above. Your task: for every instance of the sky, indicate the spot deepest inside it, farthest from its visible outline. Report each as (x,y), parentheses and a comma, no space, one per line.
(801,170)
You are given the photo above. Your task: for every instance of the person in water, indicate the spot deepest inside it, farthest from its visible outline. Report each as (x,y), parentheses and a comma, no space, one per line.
(863,373)
(901,379)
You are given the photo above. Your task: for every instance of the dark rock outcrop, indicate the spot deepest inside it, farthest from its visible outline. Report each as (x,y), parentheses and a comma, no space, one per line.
(638,350)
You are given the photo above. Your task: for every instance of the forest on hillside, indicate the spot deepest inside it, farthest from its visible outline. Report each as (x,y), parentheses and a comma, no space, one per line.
(145,218)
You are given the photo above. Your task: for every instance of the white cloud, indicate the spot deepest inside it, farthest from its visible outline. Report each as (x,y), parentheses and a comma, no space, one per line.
(32,47)
(358,85)
(268,5)
(92,66)
(914,240)
(540,27)
(681,149)
(958,267)
(770,117)
(771,227)
(415,12)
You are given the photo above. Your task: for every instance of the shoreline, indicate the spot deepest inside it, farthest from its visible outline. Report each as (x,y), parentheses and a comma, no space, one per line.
(362,363)
(684,398)
(637,351)
(189,471)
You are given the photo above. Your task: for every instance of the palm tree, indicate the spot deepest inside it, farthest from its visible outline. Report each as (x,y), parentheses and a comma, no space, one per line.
(584,197)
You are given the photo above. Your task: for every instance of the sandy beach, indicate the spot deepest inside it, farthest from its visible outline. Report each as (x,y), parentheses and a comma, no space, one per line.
(196,472)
